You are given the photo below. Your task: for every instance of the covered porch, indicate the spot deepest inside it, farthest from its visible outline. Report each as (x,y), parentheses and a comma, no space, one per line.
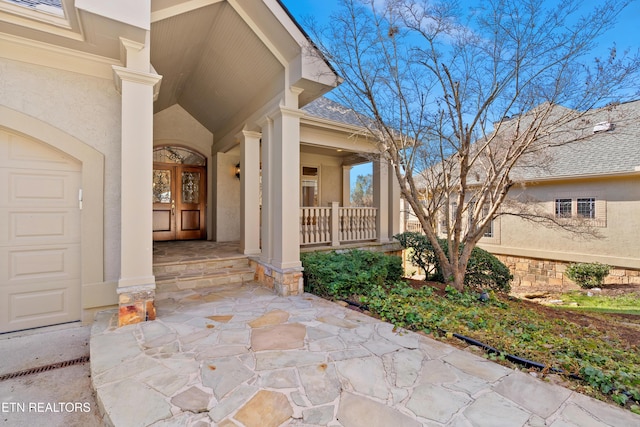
(257,140)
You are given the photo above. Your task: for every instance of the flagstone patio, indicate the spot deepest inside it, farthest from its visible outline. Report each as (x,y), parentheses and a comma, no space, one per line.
(238,355)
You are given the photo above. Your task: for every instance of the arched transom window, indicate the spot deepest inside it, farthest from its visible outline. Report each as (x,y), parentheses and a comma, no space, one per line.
(178,155)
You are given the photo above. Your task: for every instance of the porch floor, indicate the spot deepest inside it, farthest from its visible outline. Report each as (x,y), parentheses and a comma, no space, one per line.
(238,355)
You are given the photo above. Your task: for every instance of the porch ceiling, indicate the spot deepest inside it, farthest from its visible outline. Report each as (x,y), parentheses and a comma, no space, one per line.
(213,64)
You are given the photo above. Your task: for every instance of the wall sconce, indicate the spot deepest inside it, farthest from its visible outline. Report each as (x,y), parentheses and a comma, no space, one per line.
(238,170)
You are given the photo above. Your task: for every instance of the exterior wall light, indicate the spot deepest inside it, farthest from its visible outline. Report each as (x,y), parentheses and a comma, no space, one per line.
(238,170)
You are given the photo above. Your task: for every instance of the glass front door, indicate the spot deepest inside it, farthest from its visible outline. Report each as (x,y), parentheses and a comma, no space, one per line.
(179,197)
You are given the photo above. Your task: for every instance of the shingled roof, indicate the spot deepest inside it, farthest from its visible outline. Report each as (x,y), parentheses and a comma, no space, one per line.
(327,109)
(605,152)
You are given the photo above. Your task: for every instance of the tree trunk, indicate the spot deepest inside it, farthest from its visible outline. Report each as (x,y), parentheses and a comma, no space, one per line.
(453,274)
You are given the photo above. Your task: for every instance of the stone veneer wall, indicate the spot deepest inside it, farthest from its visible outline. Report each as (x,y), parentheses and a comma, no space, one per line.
(283,283)
(531,274)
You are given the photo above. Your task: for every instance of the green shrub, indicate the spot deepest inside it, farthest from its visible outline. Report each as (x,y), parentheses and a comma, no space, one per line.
(342,275)
(421,253)
(588,275)
(484,270)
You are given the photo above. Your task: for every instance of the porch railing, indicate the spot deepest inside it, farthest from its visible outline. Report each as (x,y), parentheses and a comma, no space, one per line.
(335,225)
(414,226)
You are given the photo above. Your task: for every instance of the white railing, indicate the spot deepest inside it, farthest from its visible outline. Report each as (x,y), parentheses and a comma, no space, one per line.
(414,226)
(357,224)
(315,225)
(335,225)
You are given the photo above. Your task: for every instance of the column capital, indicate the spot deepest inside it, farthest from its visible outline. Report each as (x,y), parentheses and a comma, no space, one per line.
(285,111)
(127,74)
(250,134)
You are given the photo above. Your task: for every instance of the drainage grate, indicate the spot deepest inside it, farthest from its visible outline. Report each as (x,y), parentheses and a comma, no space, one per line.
(45,368)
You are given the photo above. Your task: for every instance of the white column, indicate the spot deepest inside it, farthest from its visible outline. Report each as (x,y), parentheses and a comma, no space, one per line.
(138,88)
(394,204)
(346,186)
(250,192)
(136,235)
(381,198)
(267,204)
(335,224)
(285,194)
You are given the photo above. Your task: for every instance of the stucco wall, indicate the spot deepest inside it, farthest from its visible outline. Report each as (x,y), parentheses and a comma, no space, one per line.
(618,244)
(87,108)
(176,124)
(226,198)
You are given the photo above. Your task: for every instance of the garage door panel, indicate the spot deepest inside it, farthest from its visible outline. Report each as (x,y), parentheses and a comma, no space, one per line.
(31,305)
(39,226)
(39,264)
(39,189)
(17,151)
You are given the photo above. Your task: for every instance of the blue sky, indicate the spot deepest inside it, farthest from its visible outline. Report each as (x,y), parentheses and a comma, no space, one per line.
(625,35)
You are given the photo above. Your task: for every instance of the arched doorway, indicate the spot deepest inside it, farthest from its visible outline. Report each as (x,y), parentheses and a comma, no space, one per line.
(179,194)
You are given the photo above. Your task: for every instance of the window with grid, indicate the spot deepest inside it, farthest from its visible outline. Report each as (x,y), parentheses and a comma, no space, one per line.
(586,208)
(563,208)
(489,231)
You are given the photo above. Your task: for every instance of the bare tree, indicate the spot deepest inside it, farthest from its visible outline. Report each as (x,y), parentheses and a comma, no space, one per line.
(460,99)
(362,193)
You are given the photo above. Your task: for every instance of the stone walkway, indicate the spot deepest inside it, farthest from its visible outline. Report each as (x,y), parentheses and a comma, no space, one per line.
(241,356)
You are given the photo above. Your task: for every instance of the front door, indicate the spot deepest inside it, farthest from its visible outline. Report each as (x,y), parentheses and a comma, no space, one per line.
(178,202)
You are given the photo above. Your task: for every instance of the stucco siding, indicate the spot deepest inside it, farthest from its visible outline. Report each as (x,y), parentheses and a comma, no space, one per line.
(226,196)
(617,206)
(176,124)
(87,108)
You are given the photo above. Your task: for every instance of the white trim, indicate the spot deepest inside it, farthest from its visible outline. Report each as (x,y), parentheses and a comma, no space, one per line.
(179,9)
(121,73)
(48,55)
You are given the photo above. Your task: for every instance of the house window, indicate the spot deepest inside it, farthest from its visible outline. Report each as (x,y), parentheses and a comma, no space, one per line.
(578,207)
(587,208)
(563,208)
(489,231)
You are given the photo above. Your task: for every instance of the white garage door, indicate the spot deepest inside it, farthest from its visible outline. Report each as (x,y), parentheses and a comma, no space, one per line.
(39,235)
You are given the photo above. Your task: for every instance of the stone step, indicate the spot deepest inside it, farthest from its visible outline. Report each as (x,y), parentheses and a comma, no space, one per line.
(201,273)
(197,266)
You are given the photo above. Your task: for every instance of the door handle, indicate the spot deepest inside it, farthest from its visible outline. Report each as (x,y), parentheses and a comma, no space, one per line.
(173,207)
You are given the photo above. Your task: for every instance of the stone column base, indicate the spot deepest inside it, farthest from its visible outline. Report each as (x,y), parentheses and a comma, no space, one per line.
(283,282)
(136,304)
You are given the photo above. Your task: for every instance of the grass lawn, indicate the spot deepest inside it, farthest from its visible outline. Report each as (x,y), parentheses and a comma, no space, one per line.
(626,303)
(597,354)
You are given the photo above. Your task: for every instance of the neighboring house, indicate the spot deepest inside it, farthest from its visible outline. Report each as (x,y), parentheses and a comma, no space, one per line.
(594,182)
(219,101)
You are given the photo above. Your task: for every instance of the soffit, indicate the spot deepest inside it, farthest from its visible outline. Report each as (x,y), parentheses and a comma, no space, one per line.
(213,64)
